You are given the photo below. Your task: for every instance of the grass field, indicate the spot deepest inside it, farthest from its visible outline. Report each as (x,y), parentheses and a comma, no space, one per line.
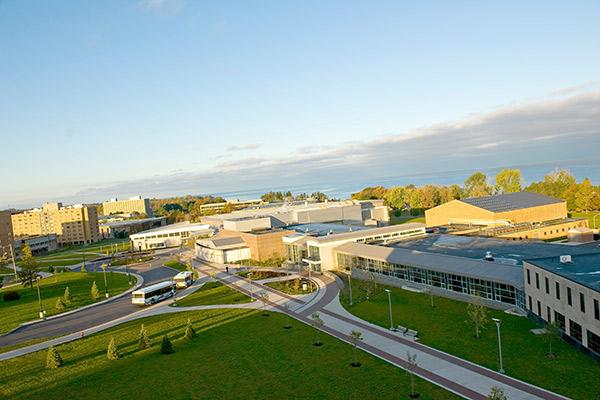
(292,287)
(237,355)
(6,271)
(589,216)
(13,313)
(405,219)
(213,293)
(445,327)
(176,264)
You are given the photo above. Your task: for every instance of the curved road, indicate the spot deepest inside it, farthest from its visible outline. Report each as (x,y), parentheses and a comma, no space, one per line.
(85,319)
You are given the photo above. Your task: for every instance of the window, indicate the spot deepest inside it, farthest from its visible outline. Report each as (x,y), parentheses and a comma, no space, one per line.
(593,342)
(582,302)
(569,299)
(530,306)
(537,280)
(596,309)
(528,277)
(547,285)
(548,315)
(575,330)
(560,319)
(539,307)
(557,286)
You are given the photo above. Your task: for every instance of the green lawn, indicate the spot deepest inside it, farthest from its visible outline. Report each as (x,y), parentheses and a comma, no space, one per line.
(130,260)
(405,219)
(6,271)
(590,217)
(293,286)
(213,293)
(237,354)
(444,327)
(176,265)
(13,313)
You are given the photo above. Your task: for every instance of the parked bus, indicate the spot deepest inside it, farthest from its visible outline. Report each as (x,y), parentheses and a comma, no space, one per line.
(184,279)
(153,293)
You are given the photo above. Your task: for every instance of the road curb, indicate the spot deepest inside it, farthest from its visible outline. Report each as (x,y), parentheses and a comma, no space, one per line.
(139,283)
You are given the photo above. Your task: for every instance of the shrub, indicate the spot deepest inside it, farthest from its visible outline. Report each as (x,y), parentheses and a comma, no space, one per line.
(143,340)
(112,352)
(94,292)
(166,347)
(51,269)
(60,304)
(53,359)
(67,297)
(11,295)
(190,332)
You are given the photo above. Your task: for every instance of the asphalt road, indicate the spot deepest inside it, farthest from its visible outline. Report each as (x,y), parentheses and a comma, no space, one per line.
(152,271)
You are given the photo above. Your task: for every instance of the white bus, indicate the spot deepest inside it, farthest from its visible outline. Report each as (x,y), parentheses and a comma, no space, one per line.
(184,279)
(153,293)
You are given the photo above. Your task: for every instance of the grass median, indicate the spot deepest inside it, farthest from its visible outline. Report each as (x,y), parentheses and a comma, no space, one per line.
(213,293)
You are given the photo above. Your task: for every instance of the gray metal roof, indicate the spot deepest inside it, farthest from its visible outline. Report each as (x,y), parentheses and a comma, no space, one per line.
(583,269)
(511,201)
(355,235)
(227,241)
(472,268)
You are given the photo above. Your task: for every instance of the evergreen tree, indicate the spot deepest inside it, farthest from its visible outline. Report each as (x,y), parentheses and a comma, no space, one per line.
(190,332)
(60,305)
(29,268)
(94,293)
(53,359)
(67,297)
(143,340)
(584,196)
(497,394)
(83,268)
(166,347)
(112,352)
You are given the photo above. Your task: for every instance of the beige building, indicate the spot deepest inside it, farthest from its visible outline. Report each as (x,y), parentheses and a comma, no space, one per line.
(132,205)
(516,216)
(566,289)
(76,224)
(6,231)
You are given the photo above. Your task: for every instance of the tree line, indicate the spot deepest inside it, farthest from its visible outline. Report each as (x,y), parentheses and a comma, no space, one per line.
(561,184)
(278,197)
(185,208)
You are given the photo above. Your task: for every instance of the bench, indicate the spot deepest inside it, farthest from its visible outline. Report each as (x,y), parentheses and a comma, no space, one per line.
(407,332)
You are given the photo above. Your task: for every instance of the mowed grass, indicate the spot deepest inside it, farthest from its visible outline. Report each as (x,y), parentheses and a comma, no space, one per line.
(445,327)
(589,216)
(237,355)
(213,293)
(13,313)
(292,286)
(176,265)
(405,219)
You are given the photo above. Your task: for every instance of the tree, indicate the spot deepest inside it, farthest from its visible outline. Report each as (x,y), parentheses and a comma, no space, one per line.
(554,332)
(112,352)
(264,297)
(509,181)
(395,197)
(83,268)
(497,394)
(411,368)
(584,196)
(94,292)
(67,297)
(317,323)
(430,196)
(477,313)
(166,347)
(318,196)
(29,268)
(53,358)
(60,305)
(288,324)
(190,332)
(476,185)
(370,193)
(143,339)
(355,337)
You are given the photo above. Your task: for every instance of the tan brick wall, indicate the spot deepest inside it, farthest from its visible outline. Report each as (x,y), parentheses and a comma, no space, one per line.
(546,232)
(535,214)
(455,209)
(266,245)
(6,233)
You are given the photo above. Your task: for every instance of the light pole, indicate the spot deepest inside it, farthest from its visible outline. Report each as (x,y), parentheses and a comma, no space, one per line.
(350,285)
(103,266)
(250,279)
(498,322)
(12,255)
(42,312)
(389,293)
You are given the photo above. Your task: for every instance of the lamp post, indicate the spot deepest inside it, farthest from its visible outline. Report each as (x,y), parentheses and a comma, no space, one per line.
(250,279)
(350,284)
(498,322)
(42,312)
(103,266)
(389,293)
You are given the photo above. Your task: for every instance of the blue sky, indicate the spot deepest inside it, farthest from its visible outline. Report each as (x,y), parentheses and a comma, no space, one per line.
(111,98)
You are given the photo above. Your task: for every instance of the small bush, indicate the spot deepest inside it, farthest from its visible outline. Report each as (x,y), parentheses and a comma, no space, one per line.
(60,304)
(53,359)
(11,296)
(166,347)
(112,352)
(51,269)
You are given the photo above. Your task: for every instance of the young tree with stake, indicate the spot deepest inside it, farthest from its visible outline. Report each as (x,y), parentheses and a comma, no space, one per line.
(317,323)
(355,337)
(477,313)
(143,339)
(411,367)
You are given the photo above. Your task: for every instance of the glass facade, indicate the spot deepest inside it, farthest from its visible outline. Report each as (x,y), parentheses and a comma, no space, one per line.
(494,291)
(294,253)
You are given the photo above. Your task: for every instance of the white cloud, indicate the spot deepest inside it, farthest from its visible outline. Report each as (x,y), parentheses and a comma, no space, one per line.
(242,147)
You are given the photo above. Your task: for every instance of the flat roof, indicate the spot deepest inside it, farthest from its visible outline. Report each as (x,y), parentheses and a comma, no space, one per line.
(511,201)
(583,269)
(369,232)
(473,268)
(322,229)
(132,222)
(182,226)
(504,251)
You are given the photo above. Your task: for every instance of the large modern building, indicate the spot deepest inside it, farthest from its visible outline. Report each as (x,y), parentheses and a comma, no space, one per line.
(128,227)
(517,216)
(566,289)
(168,236)
(76,224)
(132,205)
(281,215)
(6,231)
(38,244)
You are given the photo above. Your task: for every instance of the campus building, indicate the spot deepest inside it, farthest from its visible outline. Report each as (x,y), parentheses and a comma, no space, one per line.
(516,216)
(168,236)
(76,224)
(38,244)
(124,228)
(132,205)
(566,289)
(6,230)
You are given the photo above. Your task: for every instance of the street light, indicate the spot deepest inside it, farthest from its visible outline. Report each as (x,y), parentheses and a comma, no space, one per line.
(42,312)
(103,266)
(350,284)
(389,293)
(498,322)
(250,279)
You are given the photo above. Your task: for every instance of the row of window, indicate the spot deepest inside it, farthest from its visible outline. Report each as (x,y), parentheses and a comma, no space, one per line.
(390,235)
(557,292)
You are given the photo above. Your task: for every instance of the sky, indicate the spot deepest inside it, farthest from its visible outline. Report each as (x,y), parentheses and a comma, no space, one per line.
(102,99)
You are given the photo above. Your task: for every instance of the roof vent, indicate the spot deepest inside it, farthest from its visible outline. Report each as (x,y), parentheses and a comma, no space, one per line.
(488,256)
(565,259)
